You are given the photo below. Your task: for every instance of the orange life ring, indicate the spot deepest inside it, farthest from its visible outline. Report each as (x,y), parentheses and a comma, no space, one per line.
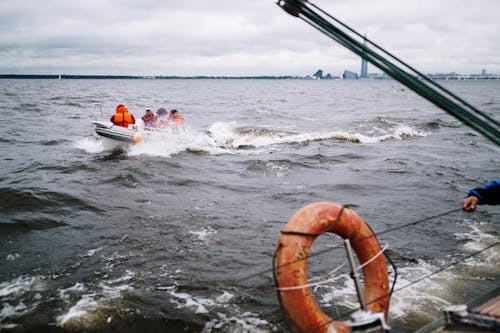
(291,264)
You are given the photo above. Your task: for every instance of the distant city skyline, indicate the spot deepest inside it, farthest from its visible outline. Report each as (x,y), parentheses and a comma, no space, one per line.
(378,74)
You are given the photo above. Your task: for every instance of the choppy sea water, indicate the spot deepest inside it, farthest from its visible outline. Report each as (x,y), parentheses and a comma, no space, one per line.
(177,234)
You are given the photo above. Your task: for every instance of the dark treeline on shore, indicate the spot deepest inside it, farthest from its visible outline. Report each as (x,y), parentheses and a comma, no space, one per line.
(136,77)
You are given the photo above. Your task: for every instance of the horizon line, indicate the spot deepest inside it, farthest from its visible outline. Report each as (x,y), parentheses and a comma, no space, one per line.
(451,75)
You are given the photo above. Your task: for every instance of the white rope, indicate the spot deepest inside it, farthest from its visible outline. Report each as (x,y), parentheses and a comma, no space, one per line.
(374,257)
(314,279)
(330,279)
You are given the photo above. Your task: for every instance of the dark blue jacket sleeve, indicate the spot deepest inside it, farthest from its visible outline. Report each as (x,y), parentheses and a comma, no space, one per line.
(488,194)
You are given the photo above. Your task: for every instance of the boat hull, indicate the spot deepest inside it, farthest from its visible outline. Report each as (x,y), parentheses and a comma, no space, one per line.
(113,137)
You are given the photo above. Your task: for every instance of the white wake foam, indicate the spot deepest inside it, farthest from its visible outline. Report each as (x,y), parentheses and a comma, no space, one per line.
(226,322)
(231,137)
(96,308)
(19,296)
(90,145)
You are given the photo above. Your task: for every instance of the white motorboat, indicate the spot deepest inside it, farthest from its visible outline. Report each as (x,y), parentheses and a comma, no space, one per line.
(115,137)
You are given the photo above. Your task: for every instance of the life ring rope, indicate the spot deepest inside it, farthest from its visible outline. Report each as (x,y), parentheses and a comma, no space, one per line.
(386,246)
(315,283)
(329,274)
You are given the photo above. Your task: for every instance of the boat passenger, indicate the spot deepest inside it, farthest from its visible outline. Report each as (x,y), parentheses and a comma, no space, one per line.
(176,116)
(148,118)
(161,119)
(488,194)
(122,117)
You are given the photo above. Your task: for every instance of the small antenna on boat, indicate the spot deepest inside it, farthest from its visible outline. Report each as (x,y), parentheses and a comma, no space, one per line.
(100,111)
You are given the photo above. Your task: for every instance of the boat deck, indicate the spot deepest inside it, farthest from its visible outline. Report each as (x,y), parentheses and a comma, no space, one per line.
(489,303)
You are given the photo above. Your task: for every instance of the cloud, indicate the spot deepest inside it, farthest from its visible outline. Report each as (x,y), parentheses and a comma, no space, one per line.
(222,37)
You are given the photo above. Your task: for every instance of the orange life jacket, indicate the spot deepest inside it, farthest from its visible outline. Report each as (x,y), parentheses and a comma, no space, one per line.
(122,117)
(178,118)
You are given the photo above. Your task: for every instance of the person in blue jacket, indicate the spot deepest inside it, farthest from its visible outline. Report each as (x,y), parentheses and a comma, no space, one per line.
(488,194)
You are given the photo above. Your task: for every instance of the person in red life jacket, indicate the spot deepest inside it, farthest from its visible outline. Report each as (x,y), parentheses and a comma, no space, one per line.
(148,118)
(161,119)
(176,117)
(122,117)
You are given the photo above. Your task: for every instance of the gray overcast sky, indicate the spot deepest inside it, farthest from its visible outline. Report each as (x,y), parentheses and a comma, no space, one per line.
(237,37)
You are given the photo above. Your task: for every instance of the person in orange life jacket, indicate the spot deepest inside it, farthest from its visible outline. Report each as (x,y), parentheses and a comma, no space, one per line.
(148,118)
(161,118)
(176,116)
(122,117)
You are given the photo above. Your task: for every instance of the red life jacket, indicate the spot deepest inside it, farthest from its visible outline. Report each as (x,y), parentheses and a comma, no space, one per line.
(148,119)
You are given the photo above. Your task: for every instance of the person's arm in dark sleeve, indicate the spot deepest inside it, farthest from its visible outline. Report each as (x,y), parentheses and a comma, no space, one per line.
(488,194)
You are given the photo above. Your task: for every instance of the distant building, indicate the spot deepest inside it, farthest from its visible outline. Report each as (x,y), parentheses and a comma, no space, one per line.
(455,76)
(318,74)
(364,63)
(349,75)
